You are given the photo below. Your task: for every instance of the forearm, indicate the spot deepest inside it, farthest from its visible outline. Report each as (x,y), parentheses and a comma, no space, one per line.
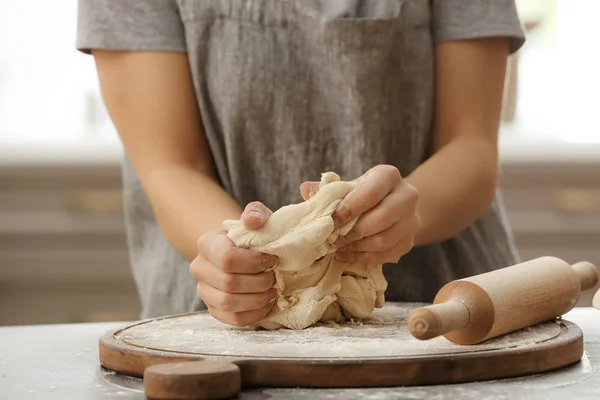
(151,101)
(457,185)
(187,203)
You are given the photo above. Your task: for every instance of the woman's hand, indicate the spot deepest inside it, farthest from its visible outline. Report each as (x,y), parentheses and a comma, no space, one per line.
(388,221)
(232,281)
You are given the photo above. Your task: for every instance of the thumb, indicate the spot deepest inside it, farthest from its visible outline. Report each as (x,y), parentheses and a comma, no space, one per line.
(255,215)
(309,189)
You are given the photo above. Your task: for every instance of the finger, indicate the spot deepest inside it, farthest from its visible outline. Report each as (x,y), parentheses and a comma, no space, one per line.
(220,251)
(236,283)
(198,265)
(393,208)
(235,302)
(240,319)
(255,215)
(372,187)
(381,241)
(309,189)
(391,255)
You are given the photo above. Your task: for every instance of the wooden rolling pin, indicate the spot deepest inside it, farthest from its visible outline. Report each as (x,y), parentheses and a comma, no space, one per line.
(471,310)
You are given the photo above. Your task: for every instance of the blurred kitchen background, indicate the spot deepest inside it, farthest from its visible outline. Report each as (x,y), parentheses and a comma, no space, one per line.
(63,253)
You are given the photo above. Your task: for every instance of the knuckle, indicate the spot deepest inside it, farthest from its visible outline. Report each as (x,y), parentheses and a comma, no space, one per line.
(193,268)
(201,244)
(381,219)
(389,171)
(216,245)
(372,193)
(238,319)
(412,193)
(230,283)
(227,261)
(227,302)
(196,268)
(379,243)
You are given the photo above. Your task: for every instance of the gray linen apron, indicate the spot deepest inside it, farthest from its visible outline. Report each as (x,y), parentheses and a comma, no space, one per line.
(290,89)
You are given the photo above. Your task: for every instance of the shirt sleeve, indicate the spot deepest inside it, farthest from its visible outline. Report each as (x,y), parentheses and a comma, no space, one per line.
(471,19)
(129,25)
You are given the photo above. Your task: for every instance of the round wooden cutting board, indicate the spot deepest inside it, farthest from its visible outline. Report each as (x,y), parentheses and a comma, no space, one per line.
(377,352)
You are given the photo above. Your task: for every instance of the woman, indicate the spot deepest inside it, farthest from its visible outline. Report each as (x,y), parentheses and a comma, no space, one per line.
(226,103)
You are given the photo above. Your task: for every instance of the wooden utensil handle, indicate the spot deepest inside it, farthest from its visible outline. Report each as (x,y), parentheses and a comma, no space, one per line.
(193,380)
(435,320)
(587,273)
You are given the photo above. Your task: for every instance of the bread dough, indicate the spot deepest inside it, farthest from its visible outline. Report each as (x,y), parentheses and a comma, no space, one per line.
(312,285)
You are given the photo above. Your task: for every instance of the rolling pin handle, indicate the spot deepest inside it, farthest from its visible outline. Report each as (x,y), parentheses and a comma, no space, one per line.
(587,273)
(438,319)
(192,380)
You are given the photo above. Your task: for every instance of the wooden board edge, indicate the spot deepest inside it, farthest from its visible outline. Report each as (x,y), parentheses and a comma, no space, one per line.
(314,373)
(130,360)
(446,369)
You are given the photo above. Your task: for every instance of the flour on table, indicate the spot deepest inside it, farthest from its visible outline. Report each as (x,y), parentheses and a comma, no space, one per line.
(312,285)
(383,334)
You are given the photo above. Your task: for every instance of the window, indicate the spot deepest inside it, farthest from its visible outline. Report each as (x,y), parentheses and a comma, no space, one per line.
(558,82)
(49,92)
(49,95)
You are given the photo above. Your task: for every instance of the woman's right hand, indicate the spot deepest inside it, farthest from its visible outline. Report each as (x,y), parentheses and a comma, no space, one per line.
(232,281)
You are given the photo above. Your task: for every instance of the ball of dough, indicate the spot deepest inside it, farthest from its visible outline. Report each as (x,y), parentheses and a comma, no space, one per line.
(312,285)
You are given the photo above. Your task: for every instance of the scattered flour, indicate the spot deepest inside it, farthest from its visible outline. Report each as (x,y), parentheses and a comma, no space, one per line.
(385,334)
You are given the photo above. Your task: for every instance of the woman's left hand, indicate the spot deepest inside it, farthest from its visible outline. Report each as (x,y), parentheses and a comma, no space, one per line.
(386,206)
